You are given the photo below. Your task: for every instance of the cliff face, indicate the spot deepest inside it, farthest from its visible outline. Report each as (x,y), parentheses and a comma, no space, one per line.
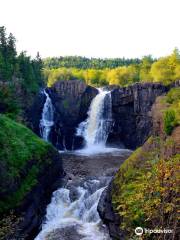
(131,111)
(71,100)
(131,108)
(150,174)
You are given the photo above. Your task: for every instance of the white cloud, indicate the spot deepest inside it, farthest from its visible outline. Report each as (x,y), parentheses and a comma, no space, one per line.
(100,28)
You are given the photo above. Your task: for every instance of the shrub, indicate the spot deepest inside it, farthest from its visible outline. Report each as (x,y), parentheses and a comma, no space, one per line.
(169,121)
(173,95)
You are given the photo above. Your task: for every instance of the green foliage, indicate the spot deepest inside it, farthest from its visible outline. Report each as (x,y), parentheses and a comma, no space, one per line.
(7,54)
(169,121)
(165,70)
(172,113)
(86,63)
(22,156)
(9,103)
(145,189)
(173,96)
(20,76)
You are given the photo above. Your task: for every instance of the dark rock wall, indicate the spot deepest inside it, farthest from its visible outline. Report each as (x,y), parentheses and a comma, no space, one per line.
(35,112)
(109,217)
(131,111)
(131,108)
(71,100)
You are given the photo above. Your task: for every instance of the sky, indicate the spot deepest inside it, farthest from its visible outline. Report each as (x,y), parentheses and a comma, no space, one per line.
(93,28)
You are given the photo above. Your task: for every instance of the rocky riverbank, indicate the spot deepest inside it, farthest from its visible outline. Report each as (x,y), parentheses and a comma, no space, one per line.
(72,213)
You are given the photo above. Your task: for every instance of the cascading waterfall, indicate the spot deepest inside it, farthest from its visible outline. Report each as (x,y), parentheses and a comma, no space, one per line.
(73,210)
(47,120)
(96,128)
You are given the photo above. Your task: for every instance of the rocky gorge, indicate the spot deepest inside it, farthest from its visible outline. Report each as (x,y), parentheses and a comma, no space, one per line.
(79,175)
(131,112)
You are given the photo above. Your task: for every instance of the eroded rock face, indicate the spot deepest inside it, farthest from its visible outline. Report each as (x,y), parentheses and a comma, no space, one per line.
(131,108)
(35,112)
(108,216)
(71,101)
(131,111)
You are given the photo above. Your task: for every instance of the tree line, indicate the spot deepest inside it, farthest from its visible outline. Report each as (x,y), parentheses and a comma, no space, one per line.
(87,63)
(165,70)
(20,75)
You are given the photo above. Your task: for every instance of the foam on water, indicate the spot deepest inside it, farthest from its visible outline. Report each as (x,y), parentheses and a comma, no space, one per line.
(47,119)
(80,212)
(96,127)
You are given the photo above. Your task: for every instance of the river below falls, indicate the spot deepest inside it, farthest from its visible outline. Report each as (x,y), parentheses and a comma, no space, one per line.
(72,213)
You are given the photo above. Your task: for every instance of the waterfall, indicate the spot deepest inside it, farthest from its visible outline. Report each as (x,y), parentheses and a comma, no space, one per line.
(73,210)
(96,127)
(47,118)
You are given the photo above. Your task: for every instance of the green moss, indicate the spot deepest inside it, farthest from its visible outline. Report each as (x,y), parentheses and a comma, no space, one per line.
(26,185)
(22,157)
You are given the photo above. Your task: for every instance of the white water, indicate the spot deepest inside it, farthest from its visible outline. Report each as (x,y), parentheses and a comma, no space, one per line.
(79,212)
(96,127)
(47,119)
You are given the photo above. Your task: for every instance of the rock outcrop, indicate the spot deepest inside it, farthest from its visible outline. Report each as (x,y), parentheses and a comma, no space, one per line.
(108,215)
(131,108)
(71,101)
(131,111)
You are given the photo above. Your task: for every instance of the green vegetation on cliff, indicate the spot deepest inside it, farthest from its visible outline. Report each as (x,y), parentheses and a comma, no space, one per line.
(23,156)
(172,113)
(146,187)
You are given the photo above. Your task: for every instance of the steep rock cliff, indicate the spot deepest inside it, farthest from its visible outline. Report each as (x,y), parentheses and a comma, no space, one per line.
(130,199)
(131,112)
(131,108)
(71,101)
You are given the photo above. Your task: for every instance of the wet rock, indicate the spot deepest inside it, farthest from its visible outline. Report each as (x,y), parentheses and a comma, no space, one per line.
(66,233)
(108,216)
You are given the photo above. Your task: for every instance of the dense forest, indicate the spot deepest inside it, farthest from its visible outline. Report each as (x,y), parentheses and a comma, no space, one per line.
(123,72)
(86,63)
(20,76)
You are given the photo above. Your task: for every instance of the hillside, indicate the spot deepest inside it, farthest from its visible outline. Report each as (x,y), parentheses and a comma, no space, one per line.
(26,162)
(144,192)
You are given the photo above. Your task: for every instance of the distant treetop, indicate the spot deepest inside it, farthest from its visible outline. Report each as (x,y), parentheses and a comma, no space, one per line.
(88,63)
